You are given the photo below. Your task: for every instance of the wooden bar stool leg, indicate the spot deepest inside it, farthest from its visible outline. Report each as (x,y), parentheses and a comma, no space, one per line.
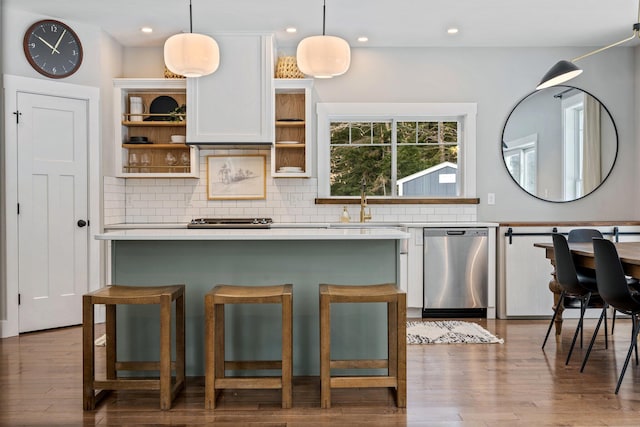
(325,351)
(209,331)
(110,342)
(392,339)
(219,332)
(180,344)
(214,349)
(287,356)
(88,354)
(165,352)
(401,391)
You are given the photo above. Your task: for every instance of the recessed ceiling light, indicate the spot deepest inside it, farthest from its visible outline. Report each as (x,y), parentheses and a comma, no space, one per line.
(291,30)
(146,29)
(363,39)
(452,30)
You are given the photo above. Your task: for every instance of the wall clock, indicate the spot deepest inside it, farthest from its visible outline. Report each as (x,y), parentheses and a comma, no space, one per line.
(52,48)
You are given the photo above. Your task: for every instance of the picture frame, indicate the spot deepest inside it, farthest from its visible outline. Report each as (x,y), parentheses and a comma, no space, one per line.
(237,177)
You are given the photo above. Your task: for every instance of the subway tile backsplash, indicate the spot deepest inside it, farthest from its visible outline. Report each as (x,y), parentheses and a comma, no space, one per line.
(178,200)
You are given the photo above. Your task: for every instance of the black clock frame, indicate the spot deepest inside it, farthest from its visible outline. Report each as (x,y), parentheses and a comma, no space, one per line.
(35,65)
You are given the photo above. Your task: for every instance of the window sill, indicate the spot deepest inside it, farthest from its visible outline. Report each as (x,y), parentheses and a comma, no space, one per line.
(399,201)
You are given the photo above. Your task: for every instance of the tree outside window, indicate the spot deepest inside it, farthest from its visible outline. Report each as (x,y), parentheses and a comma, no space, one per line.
(383,152)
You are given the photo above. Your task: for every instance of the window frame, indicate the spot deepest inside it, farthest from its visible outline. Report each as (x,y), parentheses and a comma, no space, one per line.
(465,113)
(573,145)
(521,147)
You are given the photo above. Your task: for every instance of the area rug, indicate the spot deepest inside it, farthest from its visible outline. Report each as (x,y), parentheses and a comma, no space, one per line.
(449,332)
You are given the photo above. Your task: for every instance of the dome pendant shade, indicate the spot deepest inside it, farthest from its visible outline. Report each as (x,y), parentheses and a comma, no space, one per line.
(191,54)
(323,56)
(559,73)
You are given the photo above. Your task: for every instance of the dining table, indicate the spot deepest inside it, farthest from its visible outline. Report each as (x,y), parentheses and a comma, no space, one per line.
(583,256)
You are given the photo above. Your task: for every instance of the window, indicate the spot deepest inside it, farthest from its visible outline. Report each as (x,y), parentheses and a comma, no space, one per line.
(573,122)
(520,157)
(400,150)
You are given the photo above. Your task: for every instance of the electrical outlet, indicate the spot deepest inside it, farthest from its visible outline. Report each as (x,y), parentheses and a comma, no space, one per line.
(491,198)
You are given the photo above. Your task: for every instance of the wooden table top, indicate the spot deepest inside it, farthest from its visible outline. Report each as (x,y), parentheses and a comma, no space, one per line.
(629,253)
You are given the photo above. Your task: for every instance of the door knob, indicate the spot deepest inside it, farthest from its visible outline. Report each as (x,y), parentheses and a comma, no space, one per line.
(82,223)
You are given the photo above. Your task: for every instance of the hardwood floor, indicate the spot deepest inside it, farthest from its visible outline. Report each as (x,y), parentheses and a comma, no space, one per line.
(509,384)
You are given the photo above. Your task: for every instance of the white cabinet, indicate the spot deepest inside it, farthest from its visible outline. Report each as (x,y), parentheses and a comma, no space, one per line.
(234,104)
(525,272)
(291,153)
(156,156)
(415,261)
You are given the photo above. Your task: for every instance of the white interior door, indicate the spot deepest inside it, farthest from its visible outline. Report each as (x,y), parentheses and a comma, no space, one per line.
(52,145)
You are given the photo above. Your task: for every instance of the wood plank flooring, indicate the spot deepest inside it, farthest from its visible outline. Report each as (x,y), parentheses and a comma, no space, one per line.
(510,384)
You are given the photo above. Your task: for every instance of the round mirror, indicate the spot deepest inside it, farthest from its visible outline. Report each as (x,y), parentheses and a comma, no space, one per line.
(559,144)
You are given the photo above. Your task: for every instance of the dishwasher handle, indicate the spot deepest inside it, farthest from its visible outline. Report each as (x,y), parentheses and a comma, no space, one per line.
(454,232)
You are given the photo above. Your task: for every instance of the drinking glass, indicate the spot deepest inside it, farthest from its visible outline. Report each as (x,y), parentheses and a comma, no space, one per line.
(185,159)
(171,159)
(145,161)
(133,162)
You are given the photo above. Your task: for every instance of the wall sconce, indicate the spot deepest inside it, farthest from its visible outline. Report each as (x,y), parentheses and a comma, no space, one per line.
(566,70)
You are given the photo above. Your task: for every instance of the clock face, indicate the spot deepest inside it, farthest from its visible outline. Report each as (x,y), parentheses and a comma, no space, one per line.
(52,48)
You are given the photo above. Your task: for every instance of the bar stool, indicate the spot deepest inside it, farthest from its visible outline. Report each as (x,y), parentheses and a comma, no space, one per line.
(215,379)
(118,294)
(395,363)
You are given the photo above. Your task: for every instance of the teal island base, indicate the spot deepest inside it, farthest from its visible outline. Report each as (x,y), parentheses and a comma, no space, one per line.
(253,331)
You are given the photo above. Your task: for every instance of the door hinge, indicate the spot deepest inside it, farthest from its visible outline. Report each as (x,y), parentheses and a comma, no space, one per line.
(18,208)
(18,114)
(18,299)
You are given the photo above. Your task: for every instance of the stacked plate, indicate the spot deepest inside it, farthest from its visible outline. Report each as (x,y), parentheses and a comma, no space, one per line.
(290,169)
(139,140)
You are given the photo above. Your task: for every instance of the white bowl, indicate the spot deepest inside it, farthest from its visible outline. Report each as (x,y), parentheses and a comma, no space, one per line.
(178,139)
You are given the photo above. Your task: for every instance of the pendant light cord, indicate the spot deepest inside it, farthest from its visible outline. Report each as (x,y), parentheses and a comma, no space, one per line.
(324,14)
(190,18)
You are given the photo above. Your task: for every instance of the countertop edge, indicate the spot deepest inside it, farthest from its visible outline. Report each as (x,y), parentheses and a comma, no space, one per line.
(334,225)
(255,234)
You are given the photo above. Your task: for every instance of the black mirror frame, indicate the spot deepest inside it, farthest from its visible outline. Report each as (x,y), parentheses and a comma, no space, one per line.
(502,144)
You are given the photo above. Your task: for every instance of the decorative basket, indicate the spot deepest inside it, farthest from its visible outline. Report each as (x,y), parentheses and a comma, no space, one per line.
(287,68)
(168,74)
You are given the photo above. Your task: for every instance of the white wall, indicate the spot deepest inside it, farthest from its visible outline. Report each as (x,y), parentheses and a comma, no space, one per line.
(497,78)
(101,63)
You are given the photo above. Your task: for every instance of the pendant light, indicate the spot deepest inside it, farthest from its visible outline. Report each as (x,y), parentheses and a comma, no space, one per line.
(566,70)
(191,54)
(323,56)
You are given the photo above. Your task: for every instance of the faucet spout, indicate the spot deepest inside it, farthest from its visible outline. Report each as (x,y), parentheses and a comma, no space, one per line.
(365,211)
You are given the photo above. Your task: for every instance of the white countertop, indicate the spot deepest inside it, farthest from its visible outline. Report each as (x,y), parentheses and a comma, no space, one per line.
(256,234)
(128,226)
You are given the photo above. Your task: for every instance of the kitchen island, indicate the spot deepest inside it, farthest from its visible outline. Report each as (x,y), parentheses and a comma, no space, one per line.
(303,257)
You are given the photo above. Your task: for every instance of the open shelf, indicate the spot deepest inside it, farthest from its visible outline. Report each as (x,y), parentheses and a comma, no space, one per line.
(157,127)
(292,119)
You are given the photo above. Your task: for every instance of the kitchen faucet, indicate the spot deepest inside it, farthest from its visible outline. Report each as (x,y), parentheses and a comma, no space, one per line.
(364,215)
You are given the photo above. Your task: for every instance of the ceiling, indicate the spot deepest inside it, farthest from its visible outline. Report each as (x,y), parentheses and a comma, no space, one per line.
(398,23)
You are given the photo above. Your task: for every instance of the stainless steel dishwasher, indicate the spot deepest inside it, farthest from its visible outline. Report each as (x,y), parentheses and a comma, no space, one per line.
(455,272)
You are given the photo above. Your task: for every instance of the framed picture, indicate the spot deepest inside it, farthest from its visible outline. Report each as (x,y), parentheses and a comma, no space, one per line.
(241,177)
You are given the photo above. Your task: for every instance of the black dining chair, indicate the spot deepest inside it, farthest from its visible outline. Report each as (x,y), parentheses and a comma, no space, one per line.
(572,286)
(614,290)
(586,235)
